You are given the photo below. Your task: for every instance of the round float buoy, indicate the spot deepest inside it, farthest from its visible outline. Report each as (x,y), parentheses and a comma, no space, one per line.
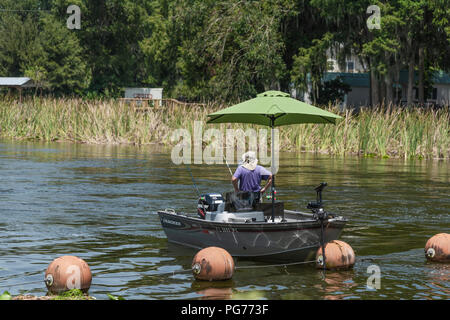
(213,263)
(67,272)
(338,255)
(437,248)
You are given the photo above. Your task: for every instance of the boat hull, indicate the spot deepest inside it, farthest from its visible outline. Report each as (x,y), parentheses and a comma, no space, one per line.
(280,241)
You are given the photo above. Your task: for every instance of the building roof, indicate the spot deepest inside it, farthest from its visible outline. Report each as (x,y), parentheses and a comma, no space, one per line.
(16,82)
(362,80)
(353,79)
(440,77)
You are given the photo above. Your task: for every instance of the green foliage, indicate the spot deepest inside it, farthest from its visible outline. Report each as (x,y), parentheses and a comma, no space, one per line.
(332,91)
(110,34)
(41,48)
(235,51)
(310,64)
(65,67)
(23,47)
(202,50)
(73,294)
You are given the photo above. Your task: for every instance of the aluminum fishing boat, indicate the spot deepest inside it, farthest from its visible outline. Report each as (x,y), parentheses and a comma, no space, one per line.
(246,227)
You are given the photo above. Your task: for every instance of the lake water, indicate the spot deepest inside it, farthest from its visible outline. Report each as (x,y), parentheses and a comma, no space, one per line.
(100,203)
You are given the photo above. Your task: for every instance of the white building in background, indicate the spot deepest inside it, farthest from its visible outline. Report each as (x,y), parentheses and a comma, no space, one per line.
(350,64)
(153,94)
(440,94)
(18,83)
(144,93)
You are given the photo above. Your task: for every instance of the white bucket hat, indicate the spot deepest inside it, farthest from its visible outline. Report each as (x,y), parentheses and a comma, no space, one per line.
(249,160)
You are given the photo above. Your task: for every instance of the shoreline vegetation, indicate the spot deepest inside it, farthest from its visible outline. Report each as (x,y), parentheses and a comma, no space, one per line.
(385,132)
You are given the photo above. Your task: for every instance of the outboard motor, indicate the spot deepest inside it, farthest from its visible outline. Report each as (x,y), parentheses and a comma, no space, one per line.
(210,202)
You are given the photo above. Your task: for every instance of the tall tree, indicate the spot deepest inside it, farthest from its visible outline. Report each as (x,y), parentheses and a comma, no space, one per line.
(236,49)
(160,46)
(110,34)
(33,43)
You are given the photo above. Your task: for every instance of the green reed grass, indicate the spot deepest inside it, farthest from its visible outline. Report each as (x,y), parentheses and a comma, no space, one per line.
(381,132)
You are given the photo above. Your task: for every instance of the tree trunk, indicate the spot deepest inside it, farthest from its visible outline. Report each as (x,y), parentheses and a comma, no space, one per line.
(375,90)
(382,92)
(410,92)
(421,75)
(398,90)
(389,90)
(388,79)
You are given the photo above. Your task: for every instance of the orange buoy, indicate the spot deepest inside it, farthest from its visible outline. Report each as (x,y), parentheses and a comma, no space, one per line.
(437,248)
(338,255)
(213,263)
(68,272)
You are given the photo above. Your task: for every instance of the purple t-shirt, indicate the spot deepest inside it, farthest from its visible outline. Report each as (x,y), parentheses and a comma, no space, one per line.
(250,180)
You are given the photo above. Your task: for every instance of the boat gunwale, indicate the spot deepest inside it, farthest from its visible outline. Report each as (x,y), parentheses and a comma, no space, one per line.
(255,226)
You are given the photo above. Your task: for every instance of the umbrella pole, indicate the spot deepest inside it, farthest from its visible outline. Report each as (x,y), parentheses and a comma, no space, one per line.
(273,169)
(272,126)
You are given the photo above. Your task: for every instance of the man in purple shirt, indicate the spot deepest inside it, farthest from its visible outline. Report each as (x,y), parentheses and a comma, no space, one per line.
(250,174)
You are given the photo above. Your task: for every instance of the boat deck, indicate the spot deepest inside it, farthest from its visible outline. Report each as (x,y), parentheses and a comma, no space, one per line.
(250,217)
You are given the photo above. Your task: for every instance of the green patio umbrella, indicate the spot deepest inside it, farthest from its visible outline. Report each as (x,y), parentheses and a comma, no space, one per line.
(273,109)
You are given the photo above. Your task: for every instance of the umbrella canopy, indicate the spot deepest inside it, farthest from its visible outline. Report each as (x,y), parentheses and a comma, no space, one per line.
(273,109)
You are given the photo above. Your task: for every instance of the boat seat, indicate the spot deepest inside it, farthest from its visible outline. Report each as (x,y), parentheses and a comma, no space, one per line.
(266,208)
(245,201)
(242,201)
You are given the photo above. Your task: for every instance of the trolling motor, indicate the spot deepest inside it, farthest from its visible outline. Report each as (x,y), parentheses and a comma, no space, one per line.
(320,215)
(317,206)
